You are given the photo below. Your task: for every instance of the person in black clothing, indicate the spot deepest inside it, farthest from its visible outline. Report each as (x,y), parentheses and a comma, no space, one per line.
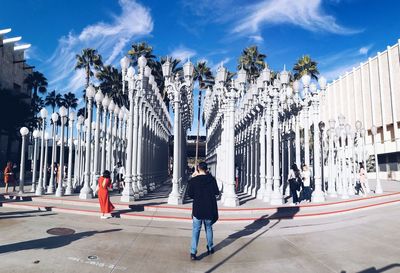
(203,189)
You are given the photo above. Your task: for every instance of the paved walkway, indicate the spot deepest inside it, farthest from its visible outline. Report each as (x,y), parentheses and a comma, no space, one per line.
(365,241)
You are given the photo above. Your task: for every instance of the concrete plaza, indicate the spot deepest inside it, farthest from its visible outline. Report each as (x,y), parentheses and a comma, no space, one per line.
(363,241)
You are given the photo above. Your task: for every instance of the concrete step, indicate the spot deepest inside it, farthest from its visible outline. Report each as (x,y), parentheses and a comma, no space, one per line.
(138,212)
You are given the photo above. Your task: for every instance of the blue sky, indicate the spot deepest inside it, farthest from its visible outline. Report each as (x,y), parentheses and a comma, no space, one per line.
(337,33)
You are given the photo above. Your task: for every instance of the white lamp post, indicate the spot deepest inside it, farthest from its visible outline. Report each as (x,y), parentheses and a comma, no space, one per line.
(128,193)
(24,132)
(86,191)
(50,188)
(40,189)
(276,197)
(35,134)
(60,190)
(111,107)
(331,181)
(46,152)
(105,102)
(72,117)
(96,172)
(378,188)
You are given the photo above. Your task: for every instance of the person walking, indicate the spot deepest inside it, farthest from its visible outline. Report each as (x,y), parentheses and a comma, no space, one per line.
(305,176)
(104,183)
(362,179)
(294,180)
(9,177)
(203,189)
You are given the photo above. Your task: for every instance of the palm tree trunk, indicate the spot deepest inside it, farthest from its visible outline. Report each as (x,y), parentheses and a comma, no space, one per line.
(198,130)
(87,85)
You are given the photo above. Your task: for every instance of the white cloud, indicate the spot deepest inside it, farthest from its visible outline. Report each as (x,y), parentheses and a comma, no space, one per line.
(333,66)
(183,53)
(221,63)
(256,38)
(364,50)
(109,39)
(306,14)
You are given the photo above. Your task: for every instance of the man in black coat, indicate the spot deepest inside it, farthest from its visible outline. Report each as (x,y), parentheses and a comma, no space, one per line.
(203,189)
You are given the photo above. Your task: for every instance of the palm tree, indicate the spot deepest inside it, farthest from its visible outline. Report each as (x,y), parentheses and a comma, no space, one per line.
(252,61)
(111,84)
(305,65)
(37,103)
(53,99)
(202,74)
(89,59)
(69,101)
(36,82)
(142,49)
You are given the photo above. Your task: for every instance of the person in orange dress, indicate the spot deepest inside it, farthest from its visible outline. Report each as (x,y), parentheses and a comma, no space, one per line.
(9,176)
(104,198)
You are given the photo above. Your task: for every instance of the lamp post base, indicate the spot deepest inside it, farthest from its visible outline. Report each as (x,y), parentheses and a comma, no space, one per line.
(175,199)
(39,191)
(86,193)
(59,192)
(128,194)
(378,189)
(260,194)
(231,201)
(277,198)
(318,197)
(50,189)
(68,190)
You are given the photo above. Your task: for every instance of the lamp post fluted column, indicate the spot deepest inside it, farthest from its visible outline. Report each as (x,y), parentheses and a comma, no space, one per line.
(332,173)
(60,189)
(69,188)
(318,194)
(260,192)
(35,135)
(140,152)
(231,199)
(111,107)
(276,197)
(175,196)
(40,188)
(24,132)
(86,191)
(128,193)
(269,173)
(96,172)
(50,188)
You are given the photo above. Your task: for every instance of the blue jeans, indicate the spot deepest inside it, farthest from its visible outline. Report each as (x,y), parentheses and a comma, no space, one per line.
(196,234)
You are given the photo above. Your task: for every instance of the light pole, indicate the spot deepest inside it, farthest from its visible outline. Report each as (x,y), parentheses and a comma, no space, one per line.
(306,83)
(95,175)
(77,173)
(39,188)
(105,102)
(342,172)
(46,152)
(60,189)
(72,116)
(86,191)
(24,132)
(332,178)
(50,188)
(174,88)
(128,193)
(276,197)
(111,107)
(35,134)
(349,156)
(378,188)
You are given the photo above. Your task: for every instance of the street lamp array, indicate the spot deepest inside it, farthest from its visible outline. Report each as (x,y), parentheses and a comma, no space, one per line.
(118,134)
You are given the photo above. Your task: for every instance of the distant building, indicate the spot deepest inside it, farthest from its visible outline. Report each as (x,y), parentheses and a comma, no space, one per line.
(13,71)
(371,93)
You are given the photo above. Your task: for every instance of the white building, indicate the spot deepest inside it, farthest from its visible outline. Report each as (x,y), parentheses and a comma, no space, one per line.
(371,93)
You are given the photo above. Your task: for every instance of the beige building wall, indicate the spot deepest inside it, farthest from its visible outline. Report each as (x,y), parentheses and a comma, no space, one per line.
(370,93)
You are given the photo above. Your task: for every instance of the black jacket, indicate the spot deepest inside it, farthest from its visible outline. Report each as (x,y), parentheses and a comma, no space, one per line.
(203,190)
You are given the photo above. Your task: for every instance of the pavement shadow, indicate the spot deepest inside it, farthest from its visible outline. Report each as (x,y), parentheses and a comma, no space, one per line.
(376,270)
(282,213)
(50,242)
(22,214)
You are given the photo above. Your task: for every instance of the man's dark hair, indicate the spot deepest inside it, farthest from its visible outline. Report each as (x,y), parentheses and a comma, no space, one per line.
(203,166)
